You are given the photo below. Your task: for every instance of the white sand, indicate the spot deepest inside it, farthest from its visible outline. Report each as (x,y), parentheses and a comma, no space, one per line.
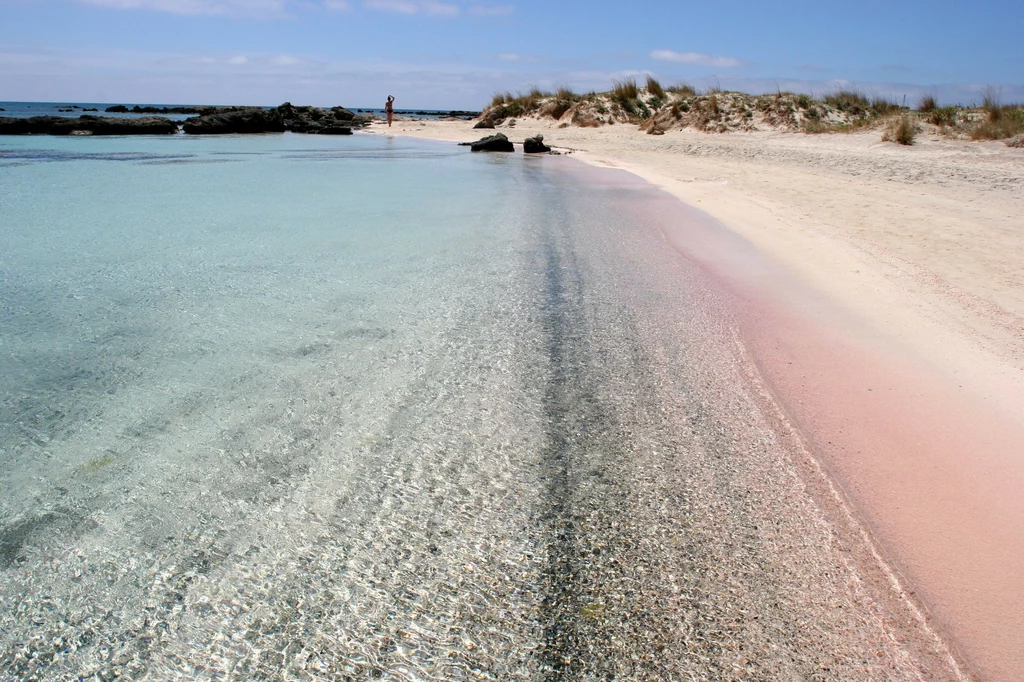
(921,250)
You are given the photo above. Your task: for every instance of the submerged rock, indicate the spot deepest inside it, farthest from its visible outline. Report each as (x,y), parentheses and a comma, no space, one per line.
(535,145)
(492,143)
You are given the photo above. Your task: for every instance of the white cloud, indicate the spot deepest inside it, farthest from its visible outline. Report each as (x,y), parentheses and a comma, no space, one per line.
(410,7)
(238,60)
(695,58)
(249,8)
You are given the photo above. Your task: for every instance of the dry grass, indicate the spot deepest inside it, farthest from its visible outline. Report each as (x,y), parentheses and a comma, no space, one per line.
(1001,122)
(654,87)
(900,129)
(565,93)
(851,101)
(927,103)
(682,89)
(625,90)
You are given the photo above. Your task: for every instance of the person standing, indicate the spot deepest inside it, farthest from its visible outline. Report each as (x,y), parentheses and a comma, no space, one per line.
(389,109)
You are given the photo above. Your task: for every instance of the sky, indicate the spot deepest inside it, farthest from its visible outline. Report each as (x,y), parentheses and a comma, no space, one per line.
(455,54)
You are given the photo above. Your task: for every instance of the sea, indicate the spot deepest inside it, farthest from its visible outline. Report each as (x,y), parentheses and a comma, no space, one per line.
(289,406)
(76,109)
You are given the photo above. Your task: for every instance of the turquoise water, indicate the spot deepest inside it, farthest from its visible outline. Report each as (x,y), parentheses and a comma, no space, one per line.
(302,407)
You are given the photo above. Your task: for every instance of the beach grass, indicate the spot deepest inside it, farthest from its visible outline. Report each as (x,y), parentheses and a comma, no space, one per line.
(654,87)
(927,103)
(901,129)
(657,109)
(625,90)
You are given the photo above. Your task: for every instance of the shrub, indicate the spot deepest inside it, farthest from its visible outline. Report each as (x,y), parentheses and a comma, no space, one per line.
(654,87)
(804,101)
(927,103)
(851,101)
(514,108)
(1002,122)
(942,116)
(900,129)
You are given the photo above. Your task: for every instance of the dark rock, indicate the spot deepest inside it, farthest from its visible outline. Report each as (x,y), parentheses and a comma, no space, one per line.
(87,109)
(101,125)
(342,114)
(492,143)
(242,120)
(117,109)
(535,145)
(484,123)
(96,125)
(336,130)
(39,125)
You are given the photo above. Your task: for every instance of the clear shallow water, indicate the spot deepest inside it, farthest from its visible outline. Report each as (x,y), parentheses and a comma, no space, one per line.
(289,407)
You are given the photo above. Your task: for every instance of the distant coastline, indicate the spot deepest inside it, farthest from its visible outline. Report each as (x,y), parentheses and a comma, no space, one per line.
(57,118)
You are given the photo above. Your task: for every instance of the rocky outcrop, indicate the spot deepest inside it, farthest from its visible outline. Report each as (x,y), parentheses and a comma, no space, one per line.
(492,143)
(93,125)
(301,119)
(247,120)
(210,121)
(535,145)
(484,123)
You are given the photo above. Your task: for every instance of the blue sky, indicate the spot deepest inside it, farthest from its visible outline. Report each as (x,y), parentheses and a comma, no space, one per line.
(456,53)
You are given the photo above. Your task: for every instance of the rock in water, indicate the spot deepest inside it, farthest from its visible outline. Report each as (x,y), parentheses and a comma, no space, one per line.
(535,145)
(86,124)
(336,130)
(492,143)
(247,120)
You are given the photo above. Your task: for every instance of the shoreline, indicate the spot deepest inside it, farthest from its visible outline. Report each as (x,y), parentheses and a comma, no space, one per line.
(913,285)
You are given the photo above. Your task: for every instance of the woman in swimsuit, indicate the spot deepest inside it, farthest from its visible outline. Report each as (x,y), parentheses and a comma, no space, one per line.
(389,109)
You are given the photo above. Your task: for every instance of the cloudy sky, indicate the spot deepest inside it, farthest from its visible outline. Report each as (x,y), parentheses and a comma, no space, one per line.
(456,53)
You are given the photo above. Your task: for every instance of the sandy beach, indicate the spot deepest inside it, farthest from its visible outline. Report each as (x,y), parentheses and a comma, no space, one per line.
(879,292)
